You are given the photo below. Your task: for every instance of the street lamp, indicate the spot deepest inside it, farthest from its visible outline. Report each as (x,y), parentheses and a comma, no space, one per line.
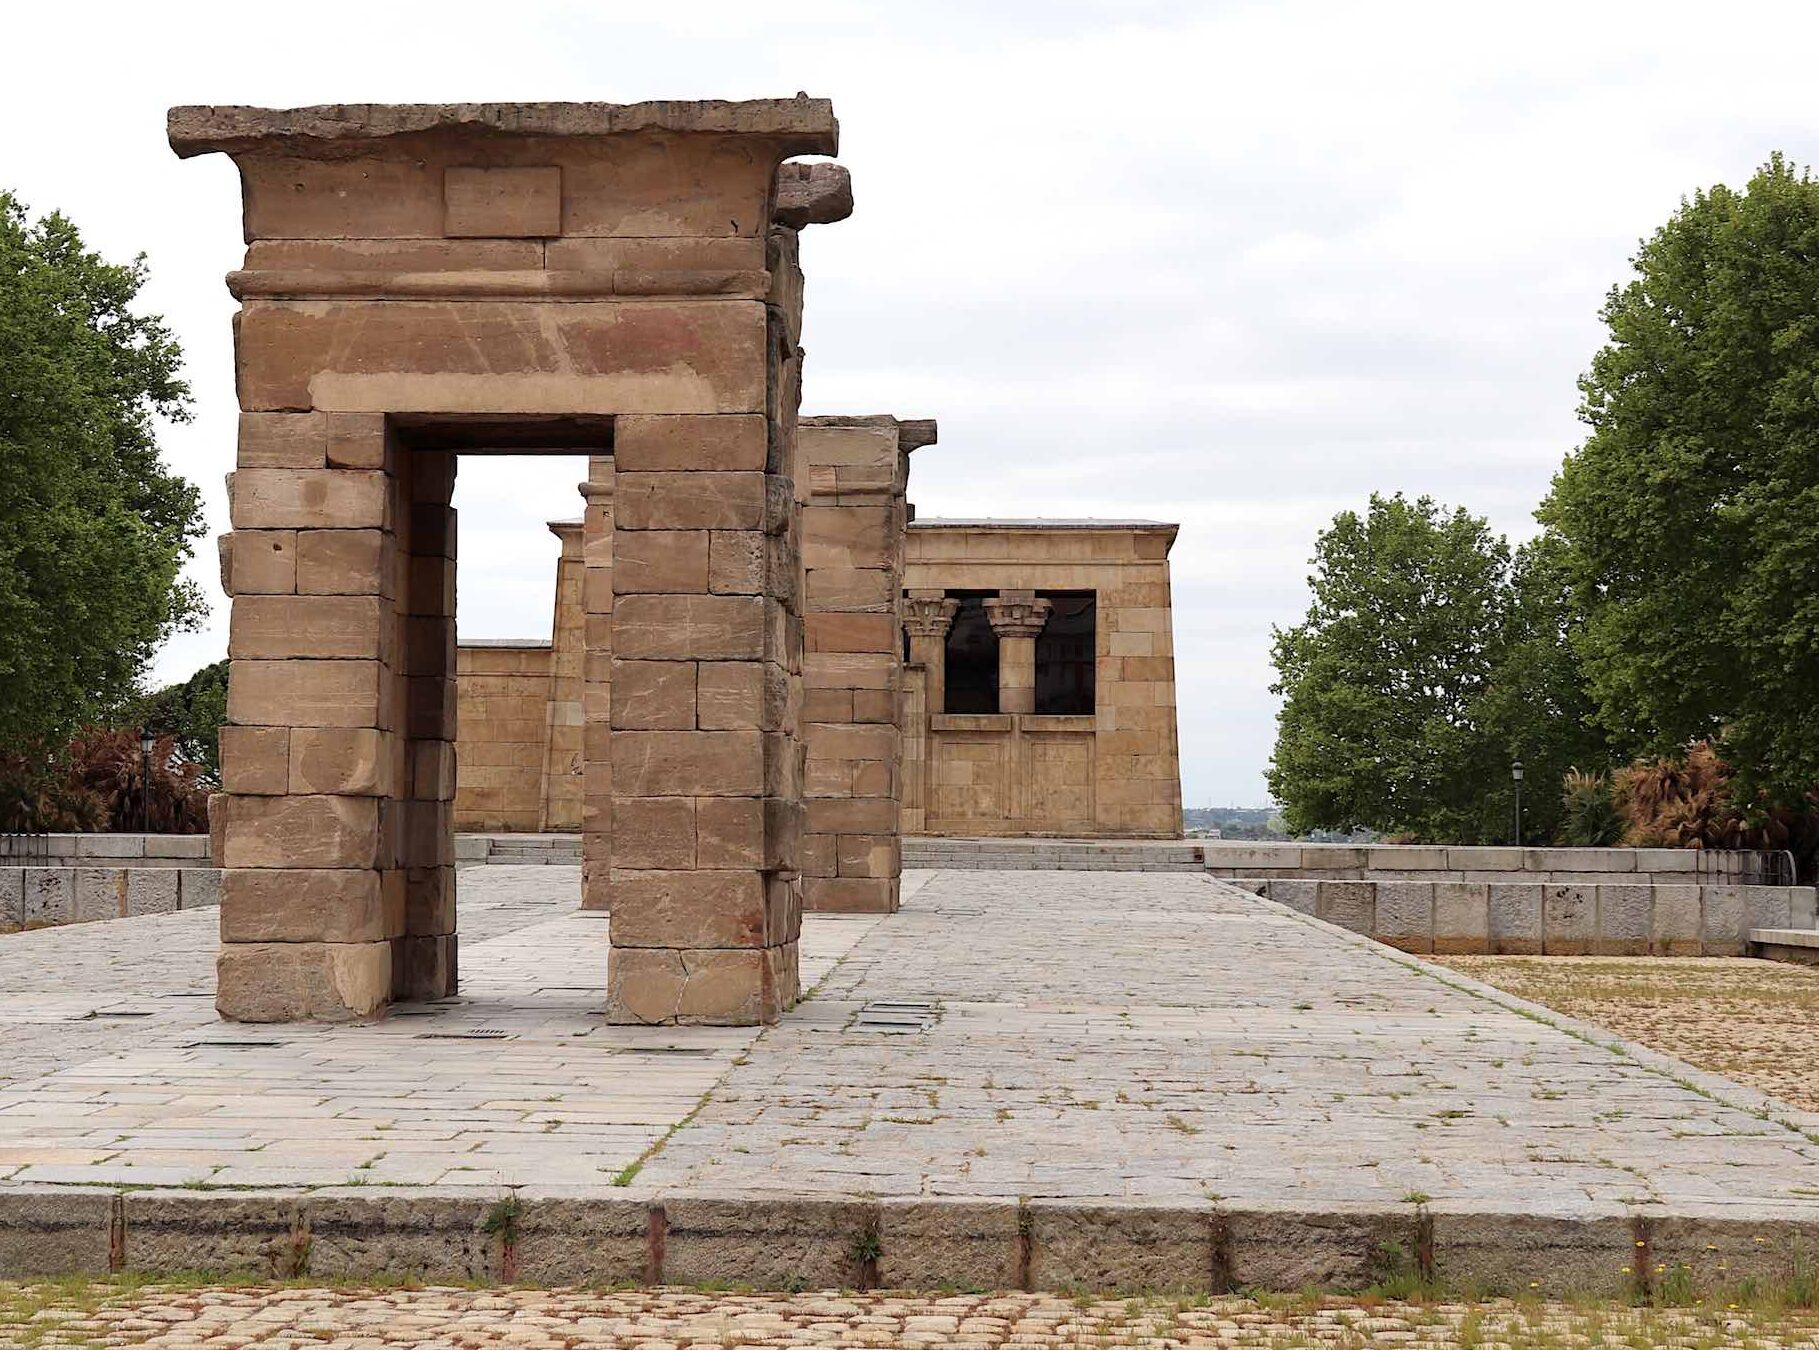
(146,741)
(1516,777)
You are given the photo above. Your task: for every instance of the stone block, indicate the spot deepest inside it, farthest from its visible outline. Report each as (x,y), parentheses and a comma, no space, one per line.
(1625,919)
(732,987)
(424,966)
(100,894)
(1768,906)
(1294,1250)
(1516,918)
(1714,1254)
(1579,860)
(302,981)
(1480,859)
(308,499)
(348,761)
(657,444)
(342,562)
(687,764)
(850,895)
(1533,1255)
(656,832)
(1569,920)
(12,896)
(961,1244)
(304,693)
(198,887)
(341,905)
(1350,904)
(301,831)
(278,440)
(591,1242)
(260,562)
(255,761)
(1131,1247)
(1300,896)
(694,499)
(653,695)
(1675,923)
(687,909)
(405,357)
(55,1232)
(767,1242)
(1803,907)
(744,562)
(358,1235)
(152,890)
(1406,858)
(1462,918)
(1674,862)
(502,202)
(1726,914)
(852,632)
(740,695)
(689,627)
(660,562)
(1405,915)
(730,833)
(174,1233)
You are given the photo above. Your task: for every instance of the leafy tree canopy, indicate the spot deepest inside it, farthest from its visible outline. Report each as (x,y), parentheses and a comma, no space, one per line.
(93,526)
(1432,657)
(190,712)
(1689,518)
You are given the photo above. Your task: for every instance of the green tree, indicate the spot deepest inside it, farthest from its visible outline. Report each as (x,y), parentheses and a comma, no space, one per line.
(1431,658)
(93,526)
(1690,514)
(190,712)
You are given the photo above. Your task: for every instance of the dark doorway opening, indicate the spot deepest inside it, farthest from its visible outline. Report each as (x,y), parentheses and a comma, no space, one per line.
(972,657)
(1066,655)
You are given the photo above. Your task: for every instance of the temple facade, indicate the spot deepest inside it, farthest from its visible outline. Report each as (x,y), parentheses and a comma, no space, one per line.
(959,677)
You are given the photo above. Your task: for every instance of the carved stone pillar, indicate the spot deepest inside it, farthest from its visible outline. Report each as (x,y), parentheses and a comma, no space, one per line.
(927,615)
(596,684)
(1017,618)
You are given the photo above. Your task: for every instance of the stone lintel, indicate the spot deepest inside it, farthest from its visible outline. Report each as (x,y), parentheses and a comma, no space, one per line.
(799,126)
(813,194)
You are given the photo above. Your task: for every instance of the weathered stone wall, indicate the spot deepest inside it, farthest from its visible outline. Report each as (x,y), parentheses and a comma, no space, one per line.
(1115,773)
(35,896)
(1455,918)
(852,665)
(428,281)
(504,712)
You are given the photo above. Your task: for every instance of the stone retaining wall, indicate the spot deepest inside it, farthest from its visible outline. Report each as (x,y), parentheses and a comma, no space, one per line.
(35,896)
(119,850)
(1554,919)
(1437,863)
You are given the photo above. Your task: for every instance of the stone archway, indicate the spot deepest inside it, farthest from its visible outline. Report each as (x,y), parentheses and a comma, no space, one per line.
(423,281)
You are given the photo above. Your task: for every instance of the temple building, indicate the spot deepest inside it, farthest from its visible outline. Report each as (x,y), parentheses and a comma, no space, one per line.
(959,677)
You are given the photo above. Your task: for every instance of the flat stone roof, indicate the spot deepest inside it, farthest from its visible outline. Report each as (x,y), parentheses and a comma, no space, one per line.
(805,126)
(1038,523)
(502,642)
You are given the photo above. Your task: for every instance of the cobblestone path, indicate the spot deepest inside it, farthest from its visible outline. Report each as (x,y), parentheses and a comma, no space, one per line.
(1154,1036)
(661,1320)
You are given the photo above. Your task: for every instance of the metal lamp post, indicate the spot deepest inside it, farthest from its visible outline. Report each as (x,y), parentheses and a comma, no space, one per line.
(146,741)
(1516,777)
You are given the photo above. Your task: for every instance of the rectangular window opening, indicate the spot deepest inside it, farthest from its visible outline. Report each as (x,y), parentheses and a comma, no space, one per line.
(1066,655)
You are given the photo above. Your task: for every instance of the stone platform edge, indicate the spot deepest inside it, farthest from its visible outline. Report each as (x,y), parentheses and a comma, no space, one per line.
(781,1243)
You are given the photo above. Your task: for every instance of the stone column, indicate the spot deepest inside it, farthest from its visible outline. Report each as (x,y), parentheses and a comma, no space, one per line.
(857,472)
(563,788)
(596,605)
(705,782)
(927,616)
(1017,618)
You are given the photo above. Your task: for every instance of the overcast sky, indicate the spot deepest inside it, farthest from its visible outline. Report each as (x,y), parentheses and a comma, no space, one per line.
(1232,265)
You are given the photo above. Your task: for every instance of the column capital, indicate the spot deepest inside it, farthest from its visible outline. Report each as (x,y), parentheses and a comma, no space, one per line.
(929,616)
(1015,614)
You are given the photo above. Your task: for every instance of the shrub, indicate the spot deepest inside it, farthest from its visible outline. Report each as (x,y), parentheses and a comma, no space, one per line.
(1591,816)
(95,783)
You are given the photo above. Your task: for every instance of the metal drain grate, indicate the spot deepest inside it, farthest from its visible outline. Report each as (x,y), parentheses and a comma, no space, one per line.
(478,1034)
(895,1015)
(109,1012)
(231,1045)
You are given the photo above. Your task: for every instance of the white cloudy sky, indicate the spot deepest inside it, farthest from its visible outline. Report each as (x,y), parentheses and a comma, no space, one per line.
(1229,264)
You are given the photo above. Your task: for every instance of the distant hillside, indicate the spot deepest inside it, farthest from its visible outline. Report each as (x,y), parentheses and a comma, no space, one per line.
(1255,822)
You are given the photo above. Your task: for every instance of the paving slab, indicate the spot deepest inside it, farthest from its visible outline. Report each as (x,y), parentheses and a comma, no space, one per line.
(1025,1077)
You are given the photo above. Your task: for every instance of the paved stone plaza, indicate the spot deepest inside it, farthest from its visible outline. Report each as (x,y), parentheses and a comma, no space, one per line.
(1119,1035)
(1131,1040)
